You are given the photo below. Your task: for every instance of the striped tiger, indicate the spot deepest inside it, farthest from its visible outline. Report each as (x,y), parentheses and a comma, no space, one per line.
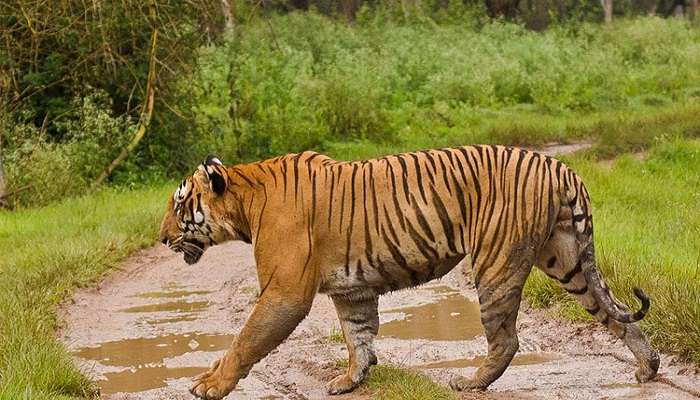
(356,230)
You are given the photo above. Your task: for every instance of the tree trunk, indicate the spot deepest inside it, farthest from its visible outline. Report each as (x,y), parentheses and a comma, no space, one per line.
(693,9)
(228,7)
(608,10)
(146,110)
(349,8)
(2,181)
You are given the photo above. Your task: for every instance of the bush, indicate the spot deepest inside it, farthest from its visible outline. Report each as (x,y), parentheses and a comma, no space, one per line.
(92,138)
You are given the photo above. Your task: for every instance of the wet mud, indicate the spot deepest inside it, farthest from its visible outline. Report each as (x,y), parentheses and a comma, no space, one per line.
(147,329)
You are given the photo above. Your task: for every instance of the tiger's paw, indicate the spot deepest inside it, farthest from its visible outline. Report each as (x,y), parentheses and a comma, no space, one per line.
(211,385)
(644,374)
(461,384)
(341,384)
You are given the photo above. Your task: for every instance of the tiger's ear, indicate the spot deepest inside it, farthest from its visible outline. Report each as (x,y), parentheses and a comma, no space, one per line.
(215,171)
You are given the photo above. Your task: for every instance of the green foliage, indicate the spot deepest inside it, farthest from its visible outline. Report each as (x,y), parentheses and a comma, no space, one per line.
(394,80)
(388,382)
(336,336)
(92,138)
(647,232)
(305,81)
(46,252)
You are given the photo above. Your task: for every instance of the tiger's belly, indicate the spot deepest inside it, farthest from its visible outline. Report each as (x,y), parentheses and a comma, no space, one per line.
(381,276)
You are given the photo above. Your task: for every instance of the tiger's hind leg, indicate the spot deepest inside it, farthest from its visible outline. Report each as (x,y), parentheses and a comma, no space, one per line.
(499,296)
(359,321)
(561,259)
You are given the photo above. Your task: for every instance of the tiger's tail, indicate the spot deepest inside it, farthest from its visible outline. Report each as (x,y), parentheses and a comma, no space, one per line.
(583,226)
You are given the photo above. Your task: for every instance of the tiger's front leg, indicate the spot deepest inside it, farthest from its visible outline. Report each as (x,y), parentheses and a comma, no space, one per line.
(274,317)
(359,320)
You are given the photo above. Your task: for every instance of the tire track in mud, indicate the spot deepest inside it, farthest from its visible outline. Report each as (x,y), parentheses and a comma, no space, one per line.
(148,328)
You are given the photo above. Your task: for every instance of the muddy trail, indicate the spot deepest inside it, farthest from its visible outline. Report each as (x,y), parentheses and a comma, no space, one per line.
(149,327)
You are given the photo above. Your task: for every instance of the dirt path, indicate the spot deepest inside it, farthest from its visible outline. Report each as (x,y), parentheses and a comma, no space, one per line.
(151,326)
(147,329)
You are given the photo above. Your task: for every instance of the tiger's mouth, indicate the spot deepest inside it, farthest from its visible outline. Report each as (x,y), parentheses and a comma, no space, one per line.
(192,249)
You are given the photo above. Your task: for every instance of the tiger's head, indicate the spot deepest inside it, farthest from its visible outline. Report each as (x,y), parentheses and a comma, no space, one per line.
(197,214)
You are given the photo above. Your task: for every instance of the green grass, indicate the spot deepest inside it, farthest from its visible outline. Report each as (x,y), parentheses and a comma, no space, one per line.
(612,132)
(388,382)
(45,254)
(335,336)
(647,234)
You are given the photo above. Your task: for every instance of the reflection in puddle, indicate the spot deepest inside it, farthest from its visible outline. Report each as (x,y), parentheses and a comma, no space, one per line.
(172,320)
(144,378)
(519,359)
(143,359)
(173,306)
(142,351)
(174,293)
(452,317)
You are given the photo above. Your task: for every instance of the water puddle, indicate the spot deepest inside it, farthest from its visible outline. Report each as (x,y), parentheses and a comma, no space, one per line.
(172,306)
(451,317)
(172,294)
(142,379)
(172,320)
(144,359)
(519,359)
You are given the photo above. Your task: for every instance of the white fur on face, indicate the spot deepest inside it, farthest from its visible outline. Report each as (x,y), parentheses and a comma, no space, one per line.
(198,217)
(181,192)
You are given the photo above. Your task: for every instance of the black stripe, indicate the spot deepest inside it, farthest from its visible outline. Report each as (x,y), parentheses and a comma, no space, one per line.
(330,197)
(419,177)
(296,175)
(577,291)
(444,217)
(245,178)
(399,259)
(352,218)
(421,219)
(593,311)
(570,275)
(404,171)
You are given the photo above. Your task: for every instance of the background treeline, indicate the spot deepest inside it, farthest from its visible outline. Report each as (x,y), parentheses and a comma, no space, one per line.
(81,80)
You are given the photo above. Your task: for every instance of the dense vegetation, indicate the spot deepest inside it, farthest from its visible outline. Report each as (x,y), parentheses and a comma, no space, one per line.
(284,82)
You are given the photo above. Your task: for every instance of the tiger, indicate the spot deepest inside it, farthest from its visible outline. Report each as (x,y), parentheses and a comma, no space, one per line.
(356,230)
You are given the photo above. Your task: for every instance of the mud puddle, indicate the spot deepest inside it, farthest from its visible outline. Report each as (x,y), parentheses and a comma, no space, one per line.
(451,317)
(143,364)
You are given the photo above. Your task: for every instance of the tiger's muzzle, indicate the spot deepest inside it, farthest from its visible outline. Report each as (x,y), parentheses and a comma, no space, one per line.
(192,248)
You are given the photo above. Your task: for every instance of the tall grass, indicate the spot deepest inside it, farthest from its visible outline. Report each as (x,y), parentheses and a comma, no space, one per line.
(44,254)
(647,234)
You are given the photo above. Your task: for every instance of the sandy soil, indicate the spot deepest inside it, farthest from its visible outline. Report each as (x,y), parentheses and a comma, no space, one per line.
(145,330)
(148,328)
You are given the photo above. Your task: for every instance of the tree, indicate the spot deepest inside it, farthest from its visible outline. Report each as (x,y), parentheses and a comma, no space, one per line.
(2,182)
(693,9)
(608,10)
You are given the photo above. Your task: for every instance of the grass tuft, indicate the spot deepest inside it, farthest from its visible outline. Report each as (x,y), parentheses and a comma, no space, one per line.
(388,382)
(335,336)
